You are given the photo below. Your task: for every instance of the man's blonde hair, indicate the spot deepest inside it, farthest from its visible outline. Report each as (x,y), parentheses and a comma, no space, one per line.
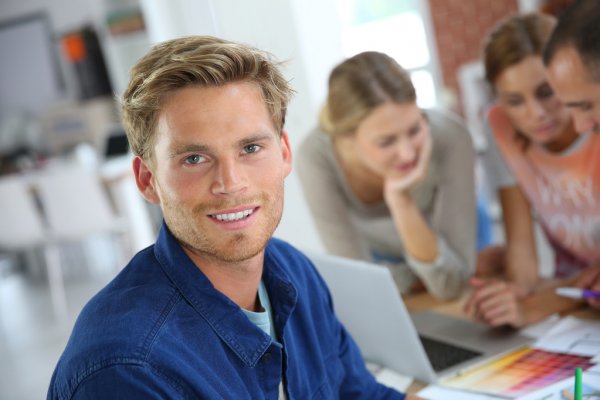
(198,61)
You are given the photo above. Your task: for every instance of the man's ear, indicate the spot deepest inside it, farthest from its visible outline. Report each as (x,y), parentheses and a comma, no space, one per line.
(286,153)
(144,178)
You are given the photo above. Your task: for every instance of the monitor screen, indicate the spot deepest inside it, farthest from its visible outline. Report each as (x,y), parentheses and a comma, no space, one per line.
(31,76)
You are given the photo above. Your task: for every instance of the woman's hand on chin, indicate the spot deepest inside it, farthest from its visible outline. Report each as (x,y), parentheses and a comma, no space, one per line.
(397,184)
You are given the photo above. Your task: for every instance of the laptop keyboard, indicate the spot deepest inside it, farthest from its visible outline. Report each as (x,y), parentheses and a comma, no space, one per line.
(443,355)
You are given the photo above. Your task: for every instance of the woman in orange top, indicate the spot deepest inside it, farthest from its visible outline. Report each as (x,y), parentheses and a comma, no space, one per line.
(552,171)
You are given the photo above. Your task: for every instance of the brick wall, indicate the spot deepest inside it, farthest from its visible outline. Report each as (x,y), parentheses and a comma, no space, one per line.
(460,26)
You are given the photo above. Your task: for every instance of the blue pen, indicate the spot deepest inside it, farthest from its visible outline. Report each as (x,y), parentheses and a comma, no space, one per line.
(576,293)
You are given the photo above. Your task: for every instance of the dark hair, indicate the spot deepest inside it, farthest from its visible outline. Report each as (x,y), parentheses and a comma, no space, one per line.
(512,40)
(578,27)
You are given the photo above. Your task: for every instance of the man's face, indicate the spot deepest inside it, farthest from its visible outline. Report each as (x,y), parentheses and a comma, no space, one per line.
(218,171)
(576,88)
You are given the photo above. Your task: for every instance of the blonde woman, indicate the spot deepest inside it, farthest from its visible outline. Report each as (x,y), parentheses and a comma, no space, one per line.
(390,183)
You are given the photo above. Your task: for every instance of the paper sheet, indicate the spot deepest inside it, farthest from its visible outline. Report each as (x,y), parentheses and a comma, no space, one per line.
(441,393)
(542,328)
(564,390)
(573,336)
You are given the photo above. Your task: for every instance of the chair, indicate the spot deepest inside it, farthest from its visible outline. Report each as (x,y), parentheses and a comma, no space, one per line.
(77,206)
(75,203)
(74,206)
(23,229)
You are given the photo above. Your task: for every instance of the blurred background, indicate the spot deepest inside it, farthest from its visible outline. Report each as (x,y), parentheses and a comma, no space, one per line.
(70,214)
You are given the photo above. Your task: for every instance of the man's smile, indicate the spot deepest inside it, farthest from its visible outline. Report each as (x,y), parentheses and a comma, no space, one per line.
(233,216)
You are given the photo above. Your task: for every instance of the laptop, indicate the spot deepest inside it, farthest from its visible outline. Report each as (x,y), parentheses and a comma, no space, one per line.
(426,345)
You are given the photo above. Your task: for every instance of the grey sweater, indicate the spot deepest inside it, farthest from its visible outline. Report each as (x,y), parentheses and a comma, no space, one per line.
(446,197)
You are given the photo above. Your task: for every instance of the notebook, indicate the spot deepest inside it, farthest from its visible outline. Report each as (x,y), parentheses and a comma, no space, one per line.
(426,345)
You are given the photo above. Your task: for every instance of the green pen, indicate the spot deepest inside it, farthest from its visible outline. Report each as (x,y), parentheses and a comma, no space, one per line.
(578,384)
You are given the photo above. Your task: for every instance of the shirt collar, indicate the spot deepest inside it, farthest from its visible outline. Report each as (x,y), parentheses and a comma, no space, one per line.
(224,316)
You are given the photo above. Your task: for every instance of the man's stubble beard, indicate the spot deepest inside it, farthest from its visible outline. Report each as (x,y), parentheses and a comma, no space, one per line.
(236,247)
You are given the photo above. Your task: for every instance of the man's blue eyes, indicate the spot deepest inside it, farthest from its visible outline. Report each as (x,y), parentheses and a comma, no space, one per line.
(193,159)
(251,148)
(197,158)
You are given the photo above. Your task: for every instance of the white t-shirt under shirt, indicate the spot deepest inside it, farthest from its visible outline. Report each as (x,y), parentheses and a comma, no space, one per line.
(264,320)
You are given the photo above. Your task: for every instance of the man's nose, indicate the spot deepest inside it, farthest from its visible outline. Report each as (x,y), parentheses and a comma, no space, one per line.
(229,177)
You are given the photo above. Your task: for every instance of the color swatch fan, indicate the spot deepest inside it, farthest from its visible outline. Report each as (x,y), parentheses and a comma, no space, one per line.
(521,372)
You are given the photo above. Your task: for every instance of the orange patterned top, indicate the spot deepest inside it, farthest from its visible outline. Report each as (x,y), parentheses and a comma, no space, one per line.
(563,189)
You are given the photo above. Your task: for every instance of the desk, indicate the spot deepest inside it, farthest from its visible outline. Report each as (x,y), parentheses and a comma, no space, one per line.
(424,301)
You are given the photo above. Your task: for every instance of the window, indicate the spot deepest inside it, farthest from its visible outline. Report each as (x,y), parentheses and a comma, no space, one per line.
(394,27)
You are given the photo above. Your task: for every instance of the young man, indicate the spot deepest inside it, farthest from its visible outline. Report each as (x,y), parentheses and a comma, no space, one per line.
(572,57)
(216,309)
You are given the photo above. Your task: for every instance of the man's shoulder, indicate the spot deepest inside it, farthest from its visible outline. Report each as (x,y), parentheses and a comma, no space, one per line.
(118,325)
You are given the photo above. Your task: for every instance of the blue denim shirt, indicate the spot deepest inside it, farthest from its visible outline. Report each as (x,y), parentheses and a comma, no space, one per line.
(161,330)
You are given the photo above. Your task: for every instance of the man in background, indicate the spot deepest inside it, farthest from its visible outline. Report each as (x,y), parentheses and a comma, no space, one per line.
(572,57)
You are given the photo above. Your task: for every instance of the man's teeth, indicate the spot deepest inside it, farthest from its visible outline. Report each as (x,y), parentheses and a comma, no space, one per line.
(233,216)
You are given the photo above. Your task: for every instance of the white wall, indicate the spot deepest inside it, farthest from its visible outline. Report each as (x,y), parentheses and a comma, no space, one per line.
(174,18)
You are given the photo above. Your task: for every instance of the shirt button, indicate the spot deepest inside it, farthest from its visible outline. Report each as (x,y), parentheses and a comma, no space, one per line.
(266,358)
